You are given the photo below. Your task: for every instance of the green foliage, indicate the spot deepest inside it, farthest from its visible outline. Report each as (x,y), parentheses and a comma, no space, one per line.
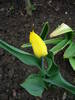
(55,78)
(50,41)
(25,57)
(48,74)
(34,84)
(60,46)
(43,35)
(72,62)
(70,51)
(58,80)
(70,54)
(61,29)
(44,31)
(67,41)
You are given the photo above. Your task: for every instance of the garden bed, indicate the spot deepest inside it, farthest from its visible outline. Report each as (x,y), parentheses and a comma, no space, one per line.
(14,29)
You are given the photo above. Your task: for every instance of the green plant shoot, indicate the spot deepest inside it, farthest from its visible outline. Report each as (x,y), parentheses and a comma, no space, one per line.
(48,74)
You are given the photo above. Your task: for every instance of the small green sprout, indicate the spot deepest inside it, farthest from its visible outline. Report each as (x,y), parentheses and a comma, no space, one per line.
(29,7)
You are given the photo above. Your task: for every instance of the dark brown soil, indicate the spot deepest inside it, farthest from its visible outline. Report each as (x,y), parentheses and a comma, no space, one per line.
(14,29)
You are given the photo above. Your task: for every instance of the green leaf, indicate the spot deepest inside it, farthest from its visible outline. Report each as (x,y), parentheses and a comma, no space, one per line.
(52,67)
(50,41)
(54,77)
(58,80)
(70,51)
(61,29)
(72,62)
(25,57)
(53,41)
(44,31)
(60,46)
(27,45)
(34,85)
(49,61)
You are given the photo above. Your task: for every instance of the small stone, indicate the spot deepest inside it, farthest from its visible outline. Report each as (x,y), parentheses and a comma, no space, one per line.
(11,73)
(64,96)
(14,93)
(13,58)
(57,8)
(38,98)
(50,1)
(69,18)
(66,12)
(2,9)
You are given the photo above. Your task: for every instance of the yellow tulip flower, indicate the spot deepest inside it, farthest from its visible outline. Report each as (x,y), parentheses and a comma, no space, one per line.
(38,45)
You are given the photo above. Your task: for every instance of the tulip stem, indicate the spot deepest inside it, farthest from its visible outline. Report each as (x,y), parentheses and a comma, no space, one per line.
(42,62)
(42,65)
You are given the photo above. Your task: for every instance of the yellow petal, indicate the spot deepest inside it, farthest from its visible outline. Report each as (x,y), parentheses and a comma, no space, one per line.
(38,45)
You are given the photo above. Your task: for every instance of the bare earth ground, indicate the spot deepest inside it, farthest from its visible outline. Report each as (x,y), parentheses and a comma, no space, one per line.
(14,29)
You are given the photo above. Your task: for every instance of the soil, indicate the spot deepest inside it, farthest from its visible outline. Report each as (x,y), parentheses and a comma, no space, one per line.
(14,29)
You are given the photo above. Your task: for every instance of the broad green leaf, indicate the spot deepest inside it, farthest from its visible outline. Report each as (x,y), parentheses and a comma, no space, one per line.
(60,46)
(50,41)
(58,80)
(44,31)
(34,84)
(25,57)
(72,62)
(55,78)
(61,29)
(70,51)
